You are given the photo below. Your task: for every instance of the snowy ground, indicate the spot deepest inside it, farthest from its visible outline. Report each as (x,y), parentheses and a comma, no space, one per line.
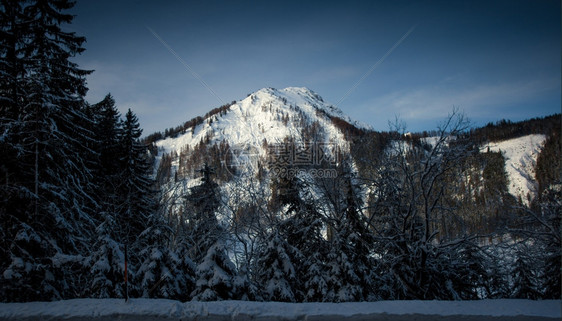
(147,309)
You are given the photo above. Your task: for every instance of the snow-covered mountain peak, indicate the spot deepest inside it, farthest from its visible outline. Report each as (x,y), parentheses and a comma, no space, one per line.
(269,115)
(306,98)
(262,120)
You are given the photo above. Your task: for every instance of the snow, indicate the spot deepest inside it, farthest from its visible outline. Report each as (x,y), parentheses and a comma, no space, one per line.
(240,310)
(269,115)
(432,141)
(520,159)
(259,116)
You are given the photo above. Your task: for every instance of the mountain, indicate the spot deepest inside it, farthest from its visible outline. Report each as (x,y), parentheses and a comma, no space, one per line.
(245,131)
(241,136)
(291,200)
(277,147)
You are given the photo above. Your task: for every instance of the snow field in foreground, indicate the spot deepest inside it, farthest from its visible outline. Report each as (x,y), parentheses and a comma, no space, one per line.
(151,309)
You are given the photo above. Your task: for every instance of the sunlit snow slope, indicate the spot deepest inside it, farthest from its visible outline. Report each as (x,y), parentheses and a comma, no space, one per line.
(269,114)
(520,160)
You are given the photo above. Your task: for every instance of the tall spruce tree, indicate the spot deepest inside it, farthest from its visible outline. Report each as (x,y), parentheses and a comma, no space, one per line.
(200,205)
(107,130)
(106,262)
(137,197)
(215,275)
(277,268)
(12,190)
(351,276)
(43,96)
(301,229)
(215,272)
(162,272)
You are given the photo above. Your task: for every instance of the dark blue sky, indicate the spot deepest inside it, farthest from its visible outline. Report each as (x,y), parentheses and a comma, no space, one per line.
(492,59)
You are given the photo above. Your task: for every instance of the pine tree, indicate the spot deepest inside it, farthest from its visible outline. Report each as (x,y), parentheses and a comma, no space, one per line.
(107,261)
(44,100)
(162,273)
(187,267)
(200,207)
(351,276)
(277,272)
(106,264)
(137,199)
(316,276)
(245,288)
(215,275)
(525,280)
(107,128)
(302,231)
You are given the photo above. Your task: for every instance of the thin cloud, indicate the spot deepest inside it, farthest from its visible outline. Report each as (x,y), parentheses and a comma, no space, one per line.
(435,102)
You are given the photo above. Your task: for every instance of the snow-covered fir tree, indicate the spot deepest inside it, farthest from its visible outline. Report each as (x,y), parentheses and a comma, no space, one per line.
(215,272)
(276,269)
(348,258)
(107,128)
(202,224)
(162,273)
(525,280)
(137,198)
(215,275)
(106,264)
(316,279)
(44,102)
(107,261)
(302,230)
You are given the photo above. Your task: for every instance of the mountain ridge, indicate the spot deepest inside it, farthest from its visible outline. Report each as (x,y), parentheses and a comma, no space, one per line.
(252,169)
(265,117)
(272,116)
(286,99)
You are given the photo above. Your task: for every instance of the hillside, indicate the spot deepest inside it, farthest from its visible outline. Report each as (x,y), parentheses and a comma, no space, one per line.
(240,137)
(520,161)
(266,117)
(295,185)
